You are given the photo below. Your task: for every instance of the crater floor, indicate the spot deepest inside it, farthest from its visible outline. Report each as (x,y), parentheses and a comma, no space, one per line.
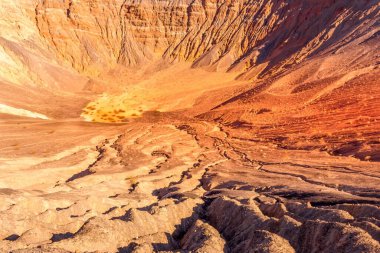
(167,183)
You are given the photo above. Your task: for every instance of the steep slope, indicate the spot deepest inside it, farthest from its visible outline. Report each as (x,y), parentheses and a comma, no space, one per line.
(293,42)
(227,35)
(31,76)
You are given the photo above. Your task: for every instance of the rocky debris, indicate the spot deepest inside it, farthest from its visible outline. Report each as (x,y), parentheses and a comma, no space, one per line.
(243,224)
(264,241)
(158,225)
(202,237)
(360,211)
(333,237)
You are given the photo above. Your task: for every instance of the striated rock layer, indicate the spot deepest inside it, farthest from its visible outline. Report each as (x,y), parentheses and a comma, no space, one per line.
(227,35)
(189,126)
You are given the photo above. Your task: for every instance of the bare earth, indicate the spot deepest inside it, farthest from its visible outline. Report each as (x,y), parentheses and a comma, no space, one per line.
(189,126)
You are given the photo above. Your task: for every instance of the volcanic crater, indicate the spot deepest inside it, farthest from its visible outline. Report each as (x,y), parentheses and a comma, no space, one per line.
(189,126)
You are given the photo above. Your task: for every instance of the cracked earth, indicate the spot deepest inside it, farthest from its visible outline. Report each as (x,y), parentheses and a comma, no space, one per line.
(150,185)
(189,126)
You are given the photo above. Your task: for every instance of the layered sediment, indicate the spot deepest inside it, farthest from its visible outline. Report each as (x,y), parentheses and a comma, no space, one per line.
(189,126)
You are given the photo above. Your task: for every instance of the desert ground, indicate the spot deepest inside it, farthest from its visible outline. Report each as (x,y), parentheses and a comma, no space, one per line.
(189,126)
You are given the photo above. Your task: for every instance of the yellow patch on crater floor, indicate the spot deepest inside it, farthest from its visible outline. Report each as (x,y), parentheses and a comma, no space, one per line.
(115,108)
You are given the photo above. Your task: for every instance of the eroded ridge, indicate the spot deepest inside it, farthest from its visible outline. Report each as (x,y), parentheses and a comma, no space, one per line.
(190,187)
